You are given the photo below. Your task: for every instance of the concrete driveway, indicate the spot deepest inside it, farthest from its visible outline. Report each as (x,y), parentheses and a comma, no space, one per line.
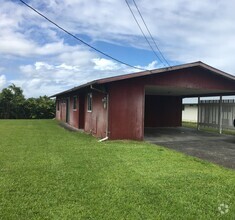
(213,147)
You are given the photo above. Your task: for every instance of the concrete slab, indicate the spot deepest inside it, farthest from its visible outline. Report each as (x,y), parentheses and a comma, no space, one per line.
(213,147)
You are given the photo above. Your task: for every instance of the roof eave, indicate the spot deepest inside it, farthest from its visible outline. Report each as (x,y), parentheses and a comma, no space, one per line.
(149,72)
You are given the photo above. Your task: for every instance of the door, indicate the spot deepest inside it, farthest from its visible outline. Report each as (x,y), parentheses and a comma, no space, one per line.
(67,110)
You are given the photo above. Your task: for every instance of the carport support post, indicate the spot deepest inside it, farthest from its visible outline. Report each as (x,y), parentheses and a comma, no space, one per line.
(220,115)
(198,113)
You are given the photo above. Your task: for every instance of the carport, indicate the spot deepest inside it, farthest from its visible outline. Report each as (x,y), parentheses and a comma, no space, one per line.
(163,112)
(163,97)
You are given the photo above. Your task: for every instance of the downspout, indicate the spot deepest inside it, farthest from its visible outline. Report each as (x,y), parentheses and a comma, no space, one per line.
(107,115)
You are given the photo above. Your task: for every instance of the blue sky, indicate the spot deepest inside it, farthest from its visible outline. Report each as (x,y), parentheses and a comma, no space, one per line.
(43,60)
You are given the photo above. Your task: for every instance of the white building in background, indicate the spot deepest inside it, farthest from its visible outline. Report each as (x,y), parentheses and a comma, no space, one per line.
(189,112)
(209,115)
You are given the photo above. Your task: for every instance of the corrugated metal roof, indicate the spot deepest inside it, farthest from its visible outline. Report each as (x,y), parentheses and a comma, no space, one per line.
(150,72)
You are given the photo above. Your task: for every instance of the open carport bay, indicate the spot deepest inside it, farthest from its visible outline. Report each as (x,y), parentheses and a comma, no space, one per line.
(213,147)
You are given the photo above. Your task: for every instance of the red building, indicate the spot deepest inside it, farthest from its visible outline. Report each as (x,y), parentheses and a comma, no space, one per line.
(121,107)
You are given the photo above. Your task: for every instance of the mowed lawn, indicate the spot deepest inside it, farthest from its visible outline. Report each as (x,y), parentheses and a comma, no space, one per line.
(47,172)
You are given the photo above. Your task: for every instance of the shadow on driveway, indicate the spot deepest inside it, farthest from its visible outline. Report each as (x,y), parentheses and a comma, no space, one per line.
(213,147)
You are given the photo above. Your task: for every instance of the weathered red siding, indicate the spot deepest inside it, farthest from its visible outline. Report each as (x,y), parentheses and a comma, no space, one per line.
(73,118)
(126,110)
(162,111)
(73,115)
(195,78)
(95,121)
(63,111)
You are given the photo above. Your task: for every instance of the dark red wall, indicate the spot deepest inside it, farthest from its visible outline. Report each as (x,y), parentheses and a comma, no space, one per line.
(73,114)
(95,121)
(63,111)
(195,78)
(73,119)
(126,110)
(162,111)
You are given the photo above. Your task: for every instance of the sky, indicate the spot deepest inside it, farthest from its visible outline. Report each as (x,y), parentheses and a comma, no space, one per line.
(43,60)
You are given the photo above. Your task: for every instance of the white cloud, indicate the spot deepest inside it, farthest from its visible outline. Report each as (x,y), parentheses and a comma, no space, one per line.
(42,65)
(104,64)
(152,65)
(68,67)
(26,34)
(79,57)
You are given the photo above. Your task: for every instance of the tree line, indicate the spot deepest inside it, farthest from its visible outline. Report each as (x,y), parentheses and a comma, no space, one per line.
(14,105)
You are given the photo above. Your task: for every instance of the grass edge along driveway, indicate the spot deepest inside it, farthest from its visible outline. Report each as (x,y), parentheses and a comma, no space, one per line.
(47,172)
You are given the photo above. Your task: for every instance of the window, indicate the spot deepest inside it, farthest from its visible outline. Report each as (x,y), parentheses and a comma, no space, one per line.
(75,99)
(89,102)
(58,105)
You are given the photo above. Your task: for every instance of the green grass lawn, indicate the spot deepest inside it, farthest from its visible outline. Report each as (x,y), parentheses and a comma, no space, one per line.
(47,172)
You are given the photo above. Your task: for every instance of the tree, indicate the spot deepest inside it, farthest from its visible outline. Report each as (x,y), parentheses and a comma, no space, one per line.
(30,108)
(13,105)
(40,108)
(11,102)
(5,102)
(45,107)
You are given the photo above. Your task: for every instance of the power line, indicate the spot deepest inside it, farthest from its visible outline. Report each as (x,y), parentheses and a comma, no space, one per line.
(151,34)
(72,35)
(143,32)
